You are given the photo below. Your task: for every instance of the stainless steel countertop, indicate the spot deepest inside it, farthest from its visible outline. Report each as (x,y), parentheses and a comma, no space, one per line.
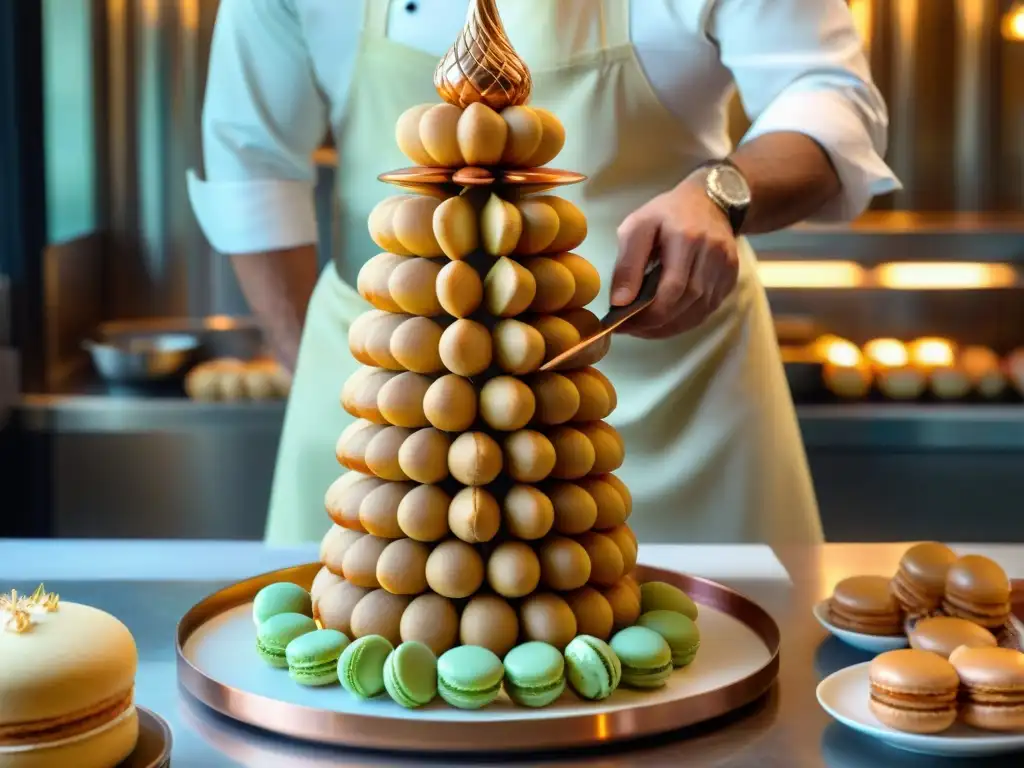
(785,729)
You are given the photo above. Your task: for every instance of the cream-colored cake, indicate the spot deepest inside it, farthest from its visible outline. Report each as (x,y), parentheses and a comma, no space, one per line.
(67,679)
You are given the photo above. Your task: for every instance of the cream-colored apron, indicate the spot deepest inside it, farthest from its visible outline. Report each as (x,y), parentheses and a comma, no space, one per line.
(713,450)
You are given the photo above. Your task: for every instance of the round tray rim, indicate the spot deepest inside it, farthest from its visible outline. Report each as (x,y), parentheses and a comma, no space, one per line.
(374,732)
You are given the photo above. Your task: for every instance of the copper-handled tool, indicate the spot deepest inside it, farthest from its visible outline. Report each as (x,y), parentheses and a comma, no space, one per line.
(616,316)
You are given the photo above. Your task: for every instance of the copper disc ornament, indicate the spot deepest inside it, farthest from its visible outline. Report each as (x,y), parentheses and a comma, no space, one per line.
(434,181)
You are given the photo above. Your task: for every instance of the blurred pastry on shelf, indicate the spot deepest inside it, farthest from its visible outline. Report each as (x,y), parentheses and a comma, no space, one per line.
(231,380)
(985,370)
(928,353)
(905,383)
(886,353)
(847,374)
(897,377)
(1015,368)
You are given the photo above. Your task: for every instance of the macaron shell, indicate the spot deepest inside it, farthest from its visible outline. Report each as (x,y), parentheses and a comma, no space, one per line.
(658,595)
(993,718)
(979,580)
(361,666)
(313,657)
(927,564)
(469,677)
(410,675)
(645,656)
(944,634)
(282,597)
(912,721)
(534,674)
(275,633)
(679,631)
(910,671)
(592,668)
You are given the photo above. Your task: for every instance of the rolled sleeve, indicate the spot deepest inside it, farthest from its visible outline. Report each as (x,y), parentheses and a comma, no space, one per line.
(263,117)
(799,66)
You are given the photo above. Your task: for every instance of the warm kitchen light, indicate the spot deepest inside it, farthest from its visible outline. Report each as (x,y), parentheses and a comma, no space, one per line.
(810,274)
(886,353)
(931,352)
(841,353)
(944,275)
(1013,22)
(861,12)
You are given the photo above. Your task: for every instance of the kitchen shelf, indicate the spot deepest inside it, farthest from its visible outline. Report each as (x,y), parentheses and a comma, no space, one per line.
(894,427)
(884,236)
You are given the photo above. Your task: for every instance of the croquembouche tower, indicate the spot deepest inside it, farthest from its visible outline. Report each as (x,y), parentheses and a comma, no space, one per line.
(479,505)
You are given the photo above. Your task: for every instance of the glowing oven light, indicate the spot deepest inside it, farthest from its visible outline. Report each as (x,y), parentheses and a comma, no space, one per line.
(1013,22)
(810,274)
(944,275)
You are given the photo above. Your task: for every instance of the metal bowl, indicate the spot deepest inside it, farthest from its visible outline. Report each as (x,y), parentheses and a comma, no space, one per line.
(143,359)
(218,335)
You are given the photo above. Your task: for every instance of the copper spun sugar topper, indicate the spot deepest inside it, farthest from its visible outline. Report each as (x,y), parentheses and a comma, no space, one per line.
(482,65)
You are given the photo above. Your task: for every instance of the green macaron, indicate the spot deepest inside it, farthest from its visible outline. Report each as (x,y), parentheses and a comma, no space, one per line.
(469,677)
(534,674)
(646,657)
(274,634)
(679,631)
(282,597)
(410,674)
(361,666)
(659,596)
(313,657)
(593,669)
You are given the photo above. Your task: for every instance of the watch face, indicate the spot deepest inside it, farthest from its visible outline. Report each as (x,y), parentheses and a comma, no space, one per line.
(730,185)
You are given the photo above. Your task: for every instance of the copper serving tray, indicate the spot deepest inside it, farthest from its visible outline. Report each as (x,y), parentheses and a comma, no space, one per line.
(376,732)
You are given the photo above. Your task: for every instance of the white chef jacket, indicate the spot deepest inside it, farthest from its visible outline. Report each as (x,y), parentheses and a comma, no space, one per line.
(280,69)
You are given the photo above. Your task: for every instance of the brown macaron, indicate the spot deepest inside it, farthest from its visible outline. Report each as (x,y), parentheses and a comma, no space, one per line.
(593,612)
(474,458)
(378,511)
(607,565)
(914,691)
(379,613)
(513,569)
(334,545)
(359,565)
(547,618)
(455,569)
(564,563)
(423,513)
(944,634)
(527,513)
(864,604)
(920,581)
(991,687)
(575,509)
(490,622)
(431,620)
(334,607)
(977,589)
(402,567)
(345,496)
(624,602)
(474,516)
(324,580)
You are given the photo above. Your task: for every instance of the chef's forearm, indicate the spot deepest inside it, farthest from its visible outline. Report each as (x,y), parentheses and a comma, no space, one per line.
(790,176)
(277,285)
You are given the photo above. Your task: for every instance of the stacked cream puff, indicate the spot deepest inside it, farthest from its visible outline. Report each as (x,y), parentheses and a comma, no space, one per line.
(479,503)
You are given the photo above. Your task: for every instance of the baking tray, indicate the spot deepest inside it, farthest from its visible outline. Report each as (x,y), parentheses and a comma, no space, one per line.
(218,665)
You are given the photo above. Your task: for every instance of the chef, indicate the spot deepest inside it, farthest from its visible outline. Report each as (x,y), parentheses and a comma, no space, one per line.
(713,448)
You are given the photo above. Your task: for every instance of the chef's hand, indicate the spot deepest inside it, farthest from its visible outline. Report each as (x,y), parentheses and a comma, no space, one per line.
(693,239)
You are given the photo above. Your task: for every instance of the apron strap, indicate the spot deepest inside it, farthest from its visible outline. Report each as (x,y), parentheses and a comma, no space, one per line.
(375,17)
(615,23)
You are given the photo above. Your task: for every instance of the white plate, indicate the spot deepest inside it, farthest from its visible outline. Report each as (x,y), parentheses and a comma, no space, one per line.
(224,648)
(869,643)
(845,695)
